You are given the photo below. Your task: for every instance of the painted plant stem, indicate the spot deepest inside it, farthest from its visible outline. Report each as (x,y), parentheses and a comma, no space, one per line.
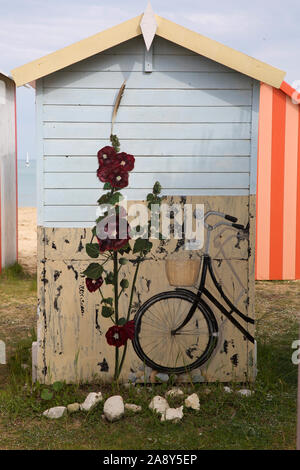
(116,304)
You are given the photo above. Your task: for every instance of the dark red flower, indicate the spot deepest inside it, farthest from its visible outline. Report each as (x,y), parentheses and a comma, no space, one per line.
(116,230)
(92,284)
(116,336)
(103,174)
(125,161)
(118,178)
(107,157)
(129,328)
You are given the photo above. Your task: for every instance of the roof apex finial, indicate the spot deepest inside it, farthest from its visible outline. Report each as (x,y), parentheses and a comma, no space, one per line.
(148,26)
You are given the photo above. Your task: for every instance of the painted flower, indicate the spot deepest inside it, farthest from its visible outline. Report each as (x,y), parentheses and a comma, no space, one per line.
(92,284)
(103,174)
(129,328)
(117,230)
(118,178)
(125,161)
(107,157)
(116,336)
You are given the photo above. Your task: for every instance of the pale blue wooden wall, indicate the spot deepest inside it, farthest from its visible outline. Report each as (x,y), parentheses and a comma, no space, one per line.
(191,124)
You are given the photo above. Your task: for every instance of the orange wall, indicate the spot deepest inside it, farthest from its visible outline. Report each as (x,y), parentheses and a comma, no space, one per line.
(278,189)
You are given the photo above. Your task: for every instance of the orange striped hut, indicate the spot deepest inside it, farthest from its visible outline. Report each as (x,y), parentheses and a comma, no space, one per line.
(278,191)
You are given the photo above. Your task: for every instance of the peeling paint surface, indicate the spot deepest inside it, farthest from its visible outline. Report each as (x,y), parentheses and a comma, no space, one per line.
(71,330)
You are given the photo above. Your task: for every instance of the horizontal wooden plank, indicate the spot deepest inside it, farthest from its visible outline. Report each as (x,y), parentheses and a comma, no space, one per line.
(147,180)
(160,131)
(153,164)
(136,63)
(86,197)
(151,147)
(133,97)
(185,80)
(154,114)
(137,46)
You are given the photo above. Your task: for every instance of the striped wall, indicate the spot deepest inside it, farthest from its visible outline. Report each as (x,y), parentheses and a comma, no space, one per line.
(189,124)
(278,195)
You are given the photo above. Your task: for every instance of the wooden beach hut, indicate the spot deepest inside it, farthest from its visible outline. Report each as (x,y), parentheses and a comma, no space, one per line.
(278,184)
(8,173)
(190,116)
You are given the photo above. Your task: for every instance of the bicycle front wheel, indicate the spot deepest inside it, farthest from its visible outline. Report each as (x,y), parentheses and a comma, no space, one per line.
(189,348)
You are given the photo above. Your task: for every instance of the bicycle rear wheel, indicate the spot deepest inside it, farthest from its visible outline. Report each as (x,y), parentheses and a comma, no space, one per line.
(189,348)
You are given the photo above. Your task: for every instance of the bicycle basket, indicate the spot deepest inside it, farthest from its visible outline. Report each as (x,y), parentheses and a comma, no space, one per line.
(182,272)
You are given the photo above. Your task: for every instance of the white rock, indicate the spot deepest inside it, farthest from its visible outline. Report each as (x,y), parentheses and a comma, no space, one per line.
(91,401)
(173,414)
(174,392)
(192,402)
(159,404)
(227,390)
(73,407)
(113,408)
(133,407)
(245,392)
(55,412)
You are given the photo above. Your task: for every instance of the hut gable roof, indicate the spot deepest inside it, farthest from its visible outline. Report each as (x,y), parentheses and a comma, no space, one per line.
(166,29)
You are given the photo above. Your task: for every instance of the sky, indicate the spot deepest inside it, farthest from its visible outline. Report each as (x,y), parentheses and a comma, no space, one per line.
(265,29)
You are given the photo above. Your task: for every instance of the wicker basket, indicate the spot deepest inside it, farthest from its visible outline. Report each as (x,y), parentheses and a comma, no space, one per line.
(182,272)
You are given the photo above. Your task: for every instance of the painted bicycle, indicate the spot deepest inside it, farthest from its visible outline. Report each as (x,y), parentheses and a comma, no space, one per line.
(176,331)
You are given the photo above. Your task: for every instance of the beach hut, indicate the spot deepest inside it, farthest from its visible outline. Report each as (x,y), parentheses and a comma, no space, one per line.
(8,173)
(278,185)
(190,116)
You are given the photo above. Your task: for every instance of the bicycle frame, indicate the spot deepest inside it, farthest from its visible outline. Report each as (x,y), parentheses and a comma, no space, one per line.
(203,291)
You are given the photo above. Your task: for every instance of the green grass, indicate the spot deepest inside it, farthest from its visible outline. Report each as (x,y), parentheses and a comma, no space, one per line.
(266,420)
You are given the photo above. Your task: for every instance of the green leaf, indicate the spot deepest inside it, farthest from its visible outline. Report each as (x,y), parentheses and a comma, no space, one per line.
(142,245)
(93,271)
(92,250)
(57,386)
(156,188)
(110,278)
(126,249)
(124,284)
(107,186)
(46,394)
(108,301)
(107,311)
(123,261)
(122,321)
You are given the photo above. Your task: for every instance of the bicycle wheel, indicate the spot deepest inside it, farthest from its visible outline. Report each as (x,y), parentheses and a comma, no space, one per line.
(189,348)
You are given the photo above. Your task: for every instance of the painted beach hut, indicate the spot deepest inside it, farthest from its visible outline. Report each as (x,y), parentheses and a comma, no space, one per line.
(8,172)
(278,184)
(189,115)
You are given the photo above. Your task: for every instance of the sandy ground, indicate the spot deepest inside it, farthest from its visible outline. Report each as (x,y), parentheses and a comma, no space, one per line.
(27,238)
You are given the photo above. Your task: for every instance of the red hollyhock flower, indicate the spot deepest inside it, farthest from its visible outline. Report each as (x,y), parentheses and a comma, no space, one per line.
(92,284)
(118,178)
(103,174)
(107,157)
(129,328)
(116,336)
(117,231)
(126,161)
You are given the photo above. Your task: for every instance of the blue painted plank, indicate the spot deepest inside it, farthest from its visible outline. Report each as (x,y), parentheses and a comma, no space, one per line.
(135,97)
(185,80)
(153,164)
(153,114)
(151,147)
(135,63)
(142,180)
(160,131)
